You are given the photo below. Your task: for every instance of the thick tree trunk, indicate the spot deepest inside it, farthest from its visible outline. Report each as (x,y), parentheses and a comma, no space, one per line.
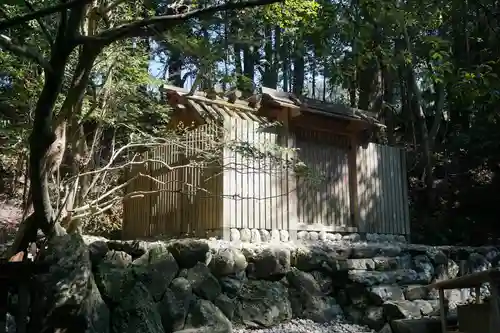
(42,135)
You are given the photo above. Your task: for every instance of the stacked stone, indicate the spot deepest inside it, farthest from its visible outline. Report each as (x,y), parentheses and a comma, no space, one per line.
(263,235)
(193,285)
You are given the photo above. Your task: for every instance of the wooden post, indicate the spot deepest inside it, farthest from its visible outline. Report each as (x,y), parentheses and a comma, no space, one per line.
(442,310)
(291,180)
(478,294)
(495,307)
(353,182)
(4,295)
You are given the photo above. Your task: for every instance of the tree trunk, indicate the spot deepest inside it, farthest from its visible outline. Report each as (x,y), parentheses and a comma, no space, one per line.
(298,67)
(284,55)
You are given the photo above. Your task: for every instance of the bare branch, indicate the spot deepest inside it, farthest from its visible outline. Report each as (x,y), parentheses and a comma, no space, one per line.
(139,28)
(4,24)
(7,44)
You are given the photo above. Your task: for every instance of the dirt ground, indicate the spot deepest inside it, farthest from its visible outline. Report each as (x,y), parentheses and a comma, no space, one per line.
(10,216)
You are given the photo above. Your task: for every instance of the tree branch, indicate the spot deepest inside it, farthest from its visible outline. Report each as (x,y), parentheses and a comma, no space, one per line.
(4,24)
(40,23)
(7,44)
(137,28)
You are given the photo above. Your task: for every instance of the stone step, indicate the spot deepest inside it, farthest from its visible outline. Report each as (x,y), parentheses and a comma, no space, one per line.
(421,325)
(394,277)
(376,264)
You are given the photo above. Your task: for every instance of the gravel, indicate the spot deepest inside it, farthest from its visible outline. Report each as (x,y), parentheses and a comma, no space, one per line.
(308,326)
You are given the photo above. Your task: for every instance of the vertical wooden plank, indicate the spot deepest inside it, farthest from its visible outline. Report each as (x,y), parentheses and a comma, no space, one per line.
(364,186)
(260,180)
(313,194)
(397,204)
(270,184)
(388,188)
(275,182)
(4,300)
(228,181)
(366,194)
(363,227)
(248,175)
(149,206)
(353,182)
(405,193)
(334,187)
(338,190)
(388,180)
(346,202)
(298,180)
(442,311)
(495,307)
(383,196)
(253,215)
(329,169)
(400,170)
(242,185)
(237,176)
(291,182)
(375,175)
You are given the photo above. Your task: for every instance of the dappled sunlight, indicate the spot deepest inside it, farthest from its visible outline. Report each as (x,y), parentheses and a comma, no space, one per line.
(323,200)
(257,185)
(369,186)
(382,190)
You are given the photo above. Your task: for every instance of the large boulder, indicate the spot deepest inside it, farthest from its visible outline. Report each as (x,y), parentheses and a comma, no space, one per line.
(424,266)
(137,312)
(269,262)
(69,296)
(477,263)
(401,310)
(189,252)
(232,284)
(117,258)
(226,305)
(113,281)
(97,251)
(422,325)
(324,281)
(174,305)
(401,277)
(307,299)
(323,256)
(379,294)
(448,270)
(374,317)
(413,292)
(375,250)
(227,261)
(135,248)
(262,303)
(156,269)
(205,317)
(203,282)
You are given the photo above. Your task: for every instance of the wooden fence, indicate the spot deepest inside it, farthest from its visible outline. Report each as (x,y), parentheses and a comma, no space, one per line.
(240,192)
(382,190)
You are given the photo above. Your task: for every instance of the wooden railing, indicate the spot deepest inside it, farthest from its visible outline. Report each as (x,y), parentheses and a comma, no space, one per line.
(16,275)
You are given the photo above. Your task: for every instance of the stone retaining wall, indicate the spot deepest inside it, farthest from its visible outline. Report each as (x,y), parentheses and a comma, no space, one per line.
(263,235)
(211,286)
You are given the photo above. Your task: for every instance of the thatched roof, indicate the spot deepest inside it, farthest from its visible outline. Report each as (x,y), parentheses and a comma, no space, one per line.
(213,104)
